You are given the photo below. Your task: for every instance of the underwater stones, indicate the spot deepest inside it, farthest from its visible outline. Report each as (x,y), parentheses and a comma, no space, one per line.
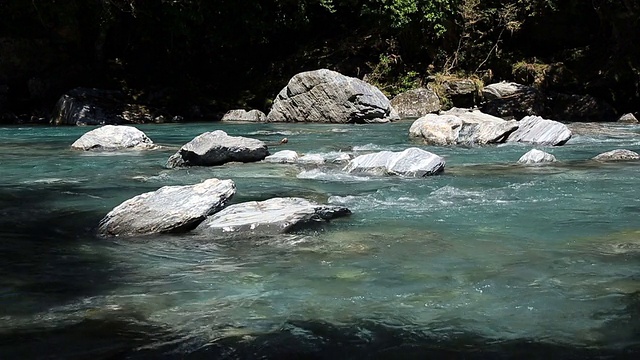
(617,155)
(168,209)
(535,156)
(113,137)
(272,216)
(412,162)
(244,115)
(461,126)
(536,130)
(217,148)
(416,103)
(327,96)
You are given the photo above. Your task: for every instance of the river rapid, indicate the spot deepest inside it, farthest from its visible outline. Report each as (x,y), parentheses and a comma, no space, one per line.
(489,259)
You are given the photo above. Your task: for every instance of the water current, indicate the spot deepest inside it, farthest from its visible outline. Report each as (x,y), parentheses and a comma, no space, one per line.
(489,259)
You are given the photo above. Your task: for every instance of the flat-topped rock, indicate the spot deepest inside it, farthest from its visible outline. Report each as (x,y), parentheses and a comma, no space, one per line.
(617,155)
(536,130)
(412,162)
(327,96)
(168,209)
(283,157)
(113,137)
(535,156)
(244,115)
(416,103)
(217,148)
(273,216)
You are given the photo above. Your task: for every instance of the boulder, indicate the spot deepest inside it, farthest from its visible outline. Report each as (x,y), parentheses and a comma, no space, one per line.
(535,156)
(168,209)
(283,157)
(460,92)
(329,97)
(460,126)
(114,137)
(416,103)
(244,115)
(312,159)
(503,89)
(617,155)
(628,119)
(411,162)
(217,148)
(536,130)
(84,106)
(269,217)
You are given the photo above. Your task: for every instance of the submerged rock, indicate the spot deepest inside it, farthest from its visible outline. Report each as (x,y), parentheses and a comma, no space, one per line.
(416,103)
(273,216)
(617,155)
(329,97)
(535,156)
(410,162)
(461,126)
(244,115)
(217,148)
(536,130)
(168,209)
(113,137)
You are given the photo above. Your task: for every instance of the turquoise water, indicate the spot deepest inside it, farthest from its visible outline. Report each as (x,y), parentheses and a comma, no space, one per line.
(489,258)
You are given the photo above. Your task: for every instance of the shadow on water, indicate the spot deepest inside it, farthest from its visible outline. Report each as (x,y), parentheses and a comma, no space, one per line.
(44,257)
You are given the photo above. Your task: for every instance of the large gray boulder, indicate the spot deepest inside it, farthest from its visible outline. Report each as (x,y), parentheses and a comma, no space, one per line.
(329,97)
(283,157)
(416,103)
(617,155)
(503,89)
(244,115)
(168,209)
(114,137)
(411,162)
(86,106)
(536,130)
(273,216)
(217,148)
(460,92)
(461,127)
(535,156)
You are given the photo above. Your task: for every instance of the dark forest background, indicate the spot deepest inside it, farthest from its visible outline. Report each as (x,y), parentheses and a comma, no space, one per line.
(199,58)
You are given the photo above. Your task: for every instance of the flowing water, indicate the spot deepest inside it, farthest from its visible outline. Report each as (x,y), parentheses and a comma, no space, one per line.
(488,259)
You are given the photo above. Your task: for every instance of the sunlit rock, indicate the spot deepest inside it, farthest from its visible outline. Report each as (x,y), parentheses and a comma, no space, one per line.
(273,216)
(244,115)
(461,127)
(617,155)
(411,162)
(536,130)
(113,137)
(168,209)
(535,156)
(283,157)
(416,103)
(329,97)
(628,119)
(217,148)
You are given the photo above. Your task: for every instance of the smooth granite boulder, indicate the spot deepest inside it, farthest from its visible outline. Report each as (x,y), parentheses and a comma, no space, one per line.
(114,137)
(283,157)
(461,127)
(617,155)
(412,162)
(327,96)
(536,130)
(244,115)
(217,148)
(535,156)
(269,217)
(503,89)
(168,209)
(416,103)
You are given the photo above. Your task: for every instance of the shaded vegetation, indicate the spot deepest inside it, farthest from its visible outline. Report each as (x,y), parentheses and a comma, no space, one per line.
(198,58)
